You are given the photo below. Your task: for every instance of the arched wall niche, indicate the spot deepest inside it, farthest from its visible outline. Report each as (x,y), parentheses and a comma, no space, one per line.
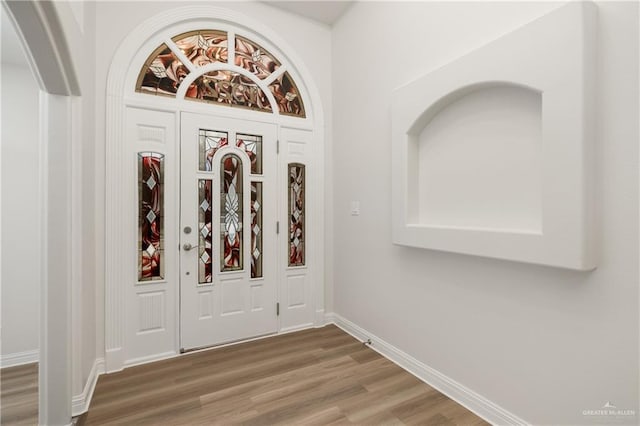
(492,154)
(461,148)
(301,139)
(449,98)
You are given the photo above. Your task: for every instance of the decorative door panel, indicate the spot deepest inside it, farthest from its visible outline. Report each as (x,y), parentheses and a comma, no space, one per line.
(297,307)
(228,251)
(151,258)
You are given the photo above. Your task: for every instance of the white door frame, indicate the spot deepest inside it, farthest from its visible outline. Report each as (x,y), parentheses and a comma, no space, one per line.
(39,27)
(120,94)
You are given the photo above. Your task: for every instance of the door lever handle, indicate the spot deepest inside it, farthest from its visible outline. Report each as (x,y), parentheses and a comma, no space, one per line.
(187,246)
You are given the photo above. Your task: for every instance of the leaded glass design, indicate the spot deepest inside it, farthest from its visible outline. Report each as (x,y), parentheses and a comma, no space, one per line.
(231,213)
(254,58)
(256,229)
(205,249)
(210,141)
(228,88)
(252,145)
(296,214)
(150,216)
(203,47)
(162,73)
(287,96)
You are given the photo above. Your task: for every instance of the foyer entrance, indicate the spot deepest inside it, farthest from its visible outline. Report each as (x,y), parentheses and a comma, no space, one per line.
(228,236)
(213,146)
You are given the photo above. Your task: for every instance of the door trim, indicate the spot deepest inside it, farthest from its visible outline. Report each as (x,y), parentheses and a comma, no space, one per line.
(121,81)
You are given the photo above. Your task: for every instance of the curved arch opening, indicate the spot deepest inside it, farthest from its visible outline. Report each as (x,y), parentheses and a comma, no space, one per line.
(477,160)
(247,72)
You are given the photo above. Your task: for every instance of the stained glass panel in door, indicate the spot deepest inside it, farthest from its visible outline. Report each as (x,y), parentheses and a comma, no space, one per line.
(231,210)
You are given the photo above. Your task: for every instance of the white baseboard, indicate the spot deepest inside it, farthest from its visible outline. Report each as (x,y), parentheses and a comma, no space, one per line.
(464,396)
(293,329)
(80,403)
(19,358)
(150,358)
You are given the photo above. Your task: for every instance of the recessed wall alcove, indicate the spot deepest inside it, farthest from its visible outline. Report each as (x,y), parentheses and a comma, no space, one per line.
(492,154)
(465,151)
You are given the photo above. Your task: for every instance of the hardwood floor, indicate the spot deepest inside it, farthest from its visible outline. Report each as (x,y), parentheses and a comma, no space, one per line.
(312,377)
(19,395)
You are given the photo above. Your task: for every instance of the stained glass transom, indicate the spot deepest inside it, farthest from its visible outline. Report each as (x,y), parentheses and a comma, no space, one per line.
(205,245)
(210,141)
(231,209)
(163,72)
(228,88)
(203,47)
(256,229)
(150,216)
(252,145)
(296,214)
(254,58)
(287,96)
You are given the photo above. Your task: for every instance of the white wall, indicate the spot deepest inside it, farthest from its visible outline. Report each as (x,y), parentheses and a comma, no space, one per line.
(20,292)
(310,41)
(89,193)
(543,343)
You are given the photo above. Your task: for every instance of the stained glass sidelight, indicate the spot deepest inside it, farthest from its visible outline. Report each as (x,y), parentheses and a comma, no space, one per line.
(252,145)
(231,209)
(203,47)
(162,73)
(287,96)
(205,249)
(210,141)
(254,58)
(150,216)
(296,214)
(228,88)
(256,229)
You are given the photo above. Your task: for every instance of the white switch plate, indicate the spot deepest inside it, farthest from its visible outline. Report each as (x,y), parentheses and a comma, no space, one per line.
(355,208)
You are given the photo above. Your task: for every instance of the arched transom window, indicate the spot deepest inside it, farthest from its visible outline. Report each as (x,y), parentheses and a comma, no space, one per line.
(246,71)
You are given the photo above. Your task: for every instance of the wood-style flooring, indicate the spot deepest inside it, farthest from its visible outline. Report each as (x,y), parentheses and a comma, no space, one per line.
(19,395)
(312,377)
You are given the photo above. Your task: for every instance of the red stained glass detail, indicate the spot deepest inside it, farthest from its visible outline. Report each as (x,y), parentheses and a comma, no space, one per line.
(150,216)
(287,96)
(205,251)
(162,73)
(231,209)
(210,141)
(203,47)
(256,229)
(252,145)
(296,214)
(254,58)
(228,88)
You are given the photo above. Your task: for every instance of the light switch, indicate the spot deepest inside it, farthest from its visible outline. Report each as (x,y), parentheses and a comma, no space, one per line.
(355,208)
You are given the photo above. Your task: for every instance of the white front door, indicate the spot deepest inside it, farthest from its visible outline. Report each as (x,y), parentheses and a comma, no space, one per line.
(228,244)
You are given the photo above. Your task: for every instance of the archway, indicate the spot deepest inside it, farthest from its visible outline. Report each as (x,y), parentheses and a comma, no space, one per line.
(39,27)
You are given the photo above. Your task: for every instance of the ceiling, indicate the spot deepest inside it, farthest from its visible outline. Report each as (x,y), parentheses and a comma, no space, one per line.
(327,12)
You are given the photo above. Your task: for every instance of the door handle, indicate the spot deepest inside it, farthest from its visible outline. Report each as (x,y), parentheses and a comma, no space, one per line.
(187,246)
